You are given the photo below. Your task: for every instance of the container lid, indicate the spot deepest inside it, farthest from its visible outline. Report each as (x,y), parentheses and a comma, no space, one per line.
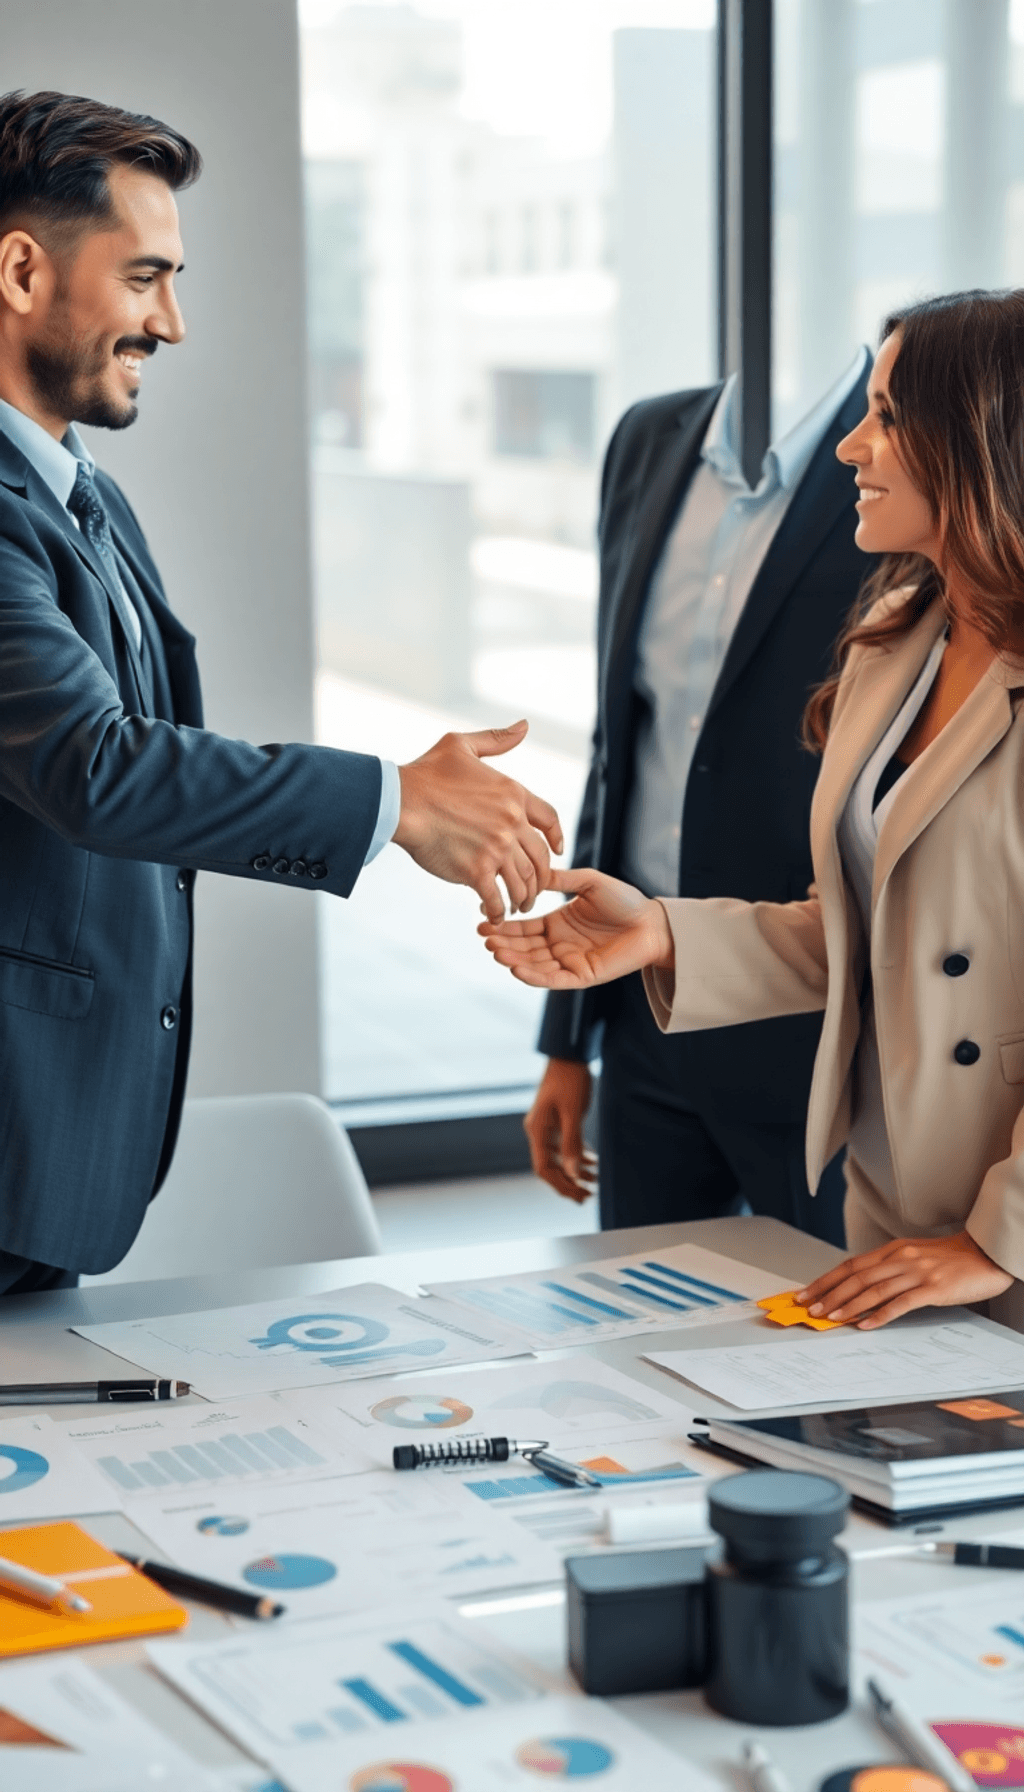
(770,1514)
(627,1573)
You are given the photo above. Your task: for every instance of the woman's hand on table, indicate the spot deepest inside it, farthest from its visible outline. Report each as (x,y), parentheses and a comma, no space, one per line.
(903,1275)
(607,931)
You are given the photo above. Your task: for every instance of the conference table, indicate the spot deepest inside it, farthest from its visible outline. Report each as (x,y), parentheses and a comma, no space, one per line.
(36,1344)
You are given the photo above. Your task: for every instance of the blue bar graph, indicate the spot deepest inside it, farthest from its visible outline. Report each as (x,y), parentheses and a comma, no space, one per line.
(213,1459)
(662,1300)
(599,1306)
(375,1701)
(677,1275)
(436,1674)
(1011,1633)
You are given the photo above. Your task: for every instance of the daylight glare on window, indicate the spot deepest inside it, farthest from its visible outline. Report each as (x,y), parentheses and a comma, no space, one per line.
(510,238)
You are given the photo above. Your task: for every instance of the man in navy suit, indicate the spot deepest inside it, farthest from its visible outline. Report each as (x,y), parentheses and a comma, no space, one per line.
(112,794)
(719,607)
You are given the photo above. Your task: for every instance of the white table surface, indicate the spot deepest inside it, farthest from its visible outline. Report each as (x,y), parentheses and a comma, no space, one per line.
(36,1345)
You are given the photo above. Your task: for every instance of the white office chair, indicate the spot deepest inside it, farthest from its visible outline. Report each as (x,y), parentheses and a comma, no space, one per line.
(257,1180)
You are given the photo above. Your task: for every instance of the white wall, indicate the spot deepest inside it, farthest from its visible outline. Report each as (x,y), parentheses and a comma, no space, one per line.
(216,465)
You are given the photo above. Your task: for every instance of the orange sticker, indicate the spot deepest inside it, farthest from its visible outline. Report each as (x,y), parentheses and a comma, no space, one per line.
(982,1409)
(785,1309)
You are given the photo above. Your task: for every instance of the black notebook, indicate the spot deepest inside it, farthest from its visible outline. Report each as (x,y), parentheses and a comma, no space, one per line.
(922,1458)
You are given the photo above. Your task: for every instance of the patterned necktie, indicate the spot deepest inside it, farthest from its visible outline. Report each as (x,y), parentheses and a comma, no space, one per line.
(86,504)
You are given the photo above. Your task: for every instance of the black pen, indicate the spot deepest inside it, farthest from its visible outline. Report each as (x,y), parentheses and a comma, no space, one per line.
(208,1592)
(76,1393)
(567,1474)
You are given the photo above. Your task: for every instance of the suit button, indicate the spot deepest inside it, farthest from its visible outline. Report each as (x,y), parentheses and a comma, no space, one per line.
(318,870)
(168,1018)
(261,861)
(281,866)
(967,1052)
(299,868)
(181,881)
(956,964)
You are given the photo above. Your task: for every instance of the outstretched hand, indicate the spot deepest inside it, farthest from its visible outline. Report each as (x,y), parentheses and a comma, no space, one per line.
(609,930)
(907,1273)
(466,823)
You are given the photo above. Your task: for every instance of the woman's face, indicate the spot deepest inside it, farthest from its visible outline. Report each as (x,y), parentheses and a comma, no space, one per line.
(895,517)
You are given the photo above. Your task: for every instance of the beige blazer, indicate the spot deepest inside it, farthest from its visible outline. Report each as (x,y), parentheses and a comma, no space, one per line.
(949,878)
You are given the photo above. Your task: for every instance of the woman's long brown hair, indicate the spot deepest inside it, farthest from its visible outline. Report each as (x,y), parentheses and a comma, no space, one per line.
(957,396)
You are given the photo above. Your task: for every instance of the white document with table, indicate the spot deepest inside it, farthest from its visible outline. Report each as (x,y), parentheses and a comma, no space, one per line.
(680,1285)
(575,1397)
(911,1359)
(304,1340)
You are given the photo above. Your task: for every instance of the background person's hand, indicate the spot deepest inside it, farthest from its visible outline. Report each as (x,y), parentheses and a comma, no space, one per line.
(607,932)
(554,1127)
(905,1274)
(468,824)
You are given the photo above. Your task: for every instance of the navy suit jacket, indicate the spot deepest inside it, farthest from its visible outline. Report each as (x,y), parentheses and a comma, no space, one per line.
(112,795)
(746,816)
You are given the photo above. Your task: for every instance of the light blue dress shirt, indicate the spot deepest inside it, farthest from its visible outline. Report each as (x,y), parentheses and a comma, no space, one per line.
(702,581)
(57,464)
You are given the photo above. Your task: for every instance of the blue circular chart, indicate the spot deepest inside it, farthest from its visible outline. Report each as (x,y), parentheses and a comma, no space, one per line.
(565,1757)
(218,1526)
(288,1574)
(27,1466)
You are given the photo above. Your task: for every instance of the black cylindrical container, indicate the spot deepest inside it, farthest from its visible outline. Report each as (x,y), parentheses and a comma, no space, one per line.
(778,1648)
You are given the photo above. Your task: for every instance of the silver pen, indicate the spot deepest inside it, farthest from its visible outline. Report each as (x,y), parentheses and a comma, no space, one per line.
(42,1589)
(916,1740)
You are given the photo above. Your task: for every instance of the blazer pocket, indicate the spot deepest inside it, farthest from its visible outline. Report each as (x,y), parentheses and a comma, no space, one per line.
(1011,1052)
(44,987)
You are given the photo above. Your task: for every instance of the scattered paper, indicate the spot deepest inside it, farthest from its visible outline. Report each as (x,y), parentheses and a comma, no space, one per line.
(954,1658)
(906,1361)
(348,1545)
(43,1476)
(576,1397)
(557,1739)
(303,1340)
(297,1699)
(617,1297)
(71,1732)
(156,1450)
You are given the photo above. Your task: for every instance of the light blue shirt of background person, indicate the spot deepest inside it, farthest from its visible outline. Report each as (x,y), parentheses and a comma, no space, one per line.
(700,585)
(57,465)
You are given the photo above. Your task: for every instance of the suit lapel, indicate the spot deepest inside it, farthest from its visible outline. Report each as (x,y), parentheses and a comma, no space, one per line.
(657,508)
(824,493)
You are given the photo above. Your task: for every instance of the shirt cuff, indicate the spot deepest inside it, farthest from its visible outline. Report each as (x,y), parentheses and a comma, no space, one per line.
(390,809)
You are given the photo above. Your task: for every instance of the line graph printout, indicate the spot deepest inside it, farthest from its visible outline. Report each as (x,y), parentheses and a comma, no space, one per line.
(617,1297)
(577,1397)
(912,1359)
(153,1451)
(564,1740)
(347,1545)
(300,1700)
(305,1340)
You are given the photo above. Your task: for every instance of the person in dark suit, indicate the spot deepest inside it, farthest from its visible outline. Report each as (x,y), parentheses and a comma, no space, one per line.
(112,793)
(719,609)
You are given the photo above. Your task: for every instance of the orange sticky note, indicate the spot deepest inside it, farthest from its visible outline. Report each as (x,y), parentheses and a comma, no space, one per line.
(785,1309)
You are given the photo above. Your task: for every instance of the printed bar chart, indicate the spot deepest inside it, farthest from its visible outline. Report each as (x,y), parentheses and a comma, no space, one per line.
(228,1457)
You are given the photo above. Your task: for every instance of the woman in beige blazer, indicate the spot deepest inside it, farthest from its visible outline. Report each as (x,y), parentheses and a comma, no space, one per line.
(912,937)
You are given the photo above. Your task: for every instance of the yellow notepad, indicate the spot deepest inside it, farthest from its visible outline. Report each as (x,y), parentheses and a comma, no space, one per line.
(124,1602)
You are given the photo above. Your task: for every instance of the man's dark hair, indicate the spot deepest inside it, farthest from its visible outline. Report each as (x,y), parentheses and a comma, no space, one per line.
(57,149)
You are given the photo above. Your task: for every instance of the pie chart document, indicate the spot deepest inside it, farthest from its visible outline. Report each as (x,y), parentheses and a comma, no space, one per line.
(306,1340)
(42,1474)
(576,1397)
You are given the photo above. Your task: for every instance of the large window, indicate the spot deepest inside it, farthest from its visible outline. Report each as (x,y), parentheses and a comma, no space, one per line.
(899,169)
(510,211)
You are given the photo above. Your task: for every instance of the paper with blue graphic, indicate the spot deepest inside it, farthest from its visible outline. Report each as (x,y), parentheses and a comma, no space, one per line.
(305,1340)
(43,1476)
(677,1287)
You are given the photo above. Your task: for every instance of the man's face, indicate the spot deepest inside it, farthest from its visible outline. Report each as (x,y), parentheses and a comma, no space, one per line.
(113,303)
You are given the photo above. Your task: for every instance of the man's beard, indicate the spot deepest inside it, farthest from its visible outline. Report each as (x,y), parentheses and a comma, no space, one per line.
(66,378)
